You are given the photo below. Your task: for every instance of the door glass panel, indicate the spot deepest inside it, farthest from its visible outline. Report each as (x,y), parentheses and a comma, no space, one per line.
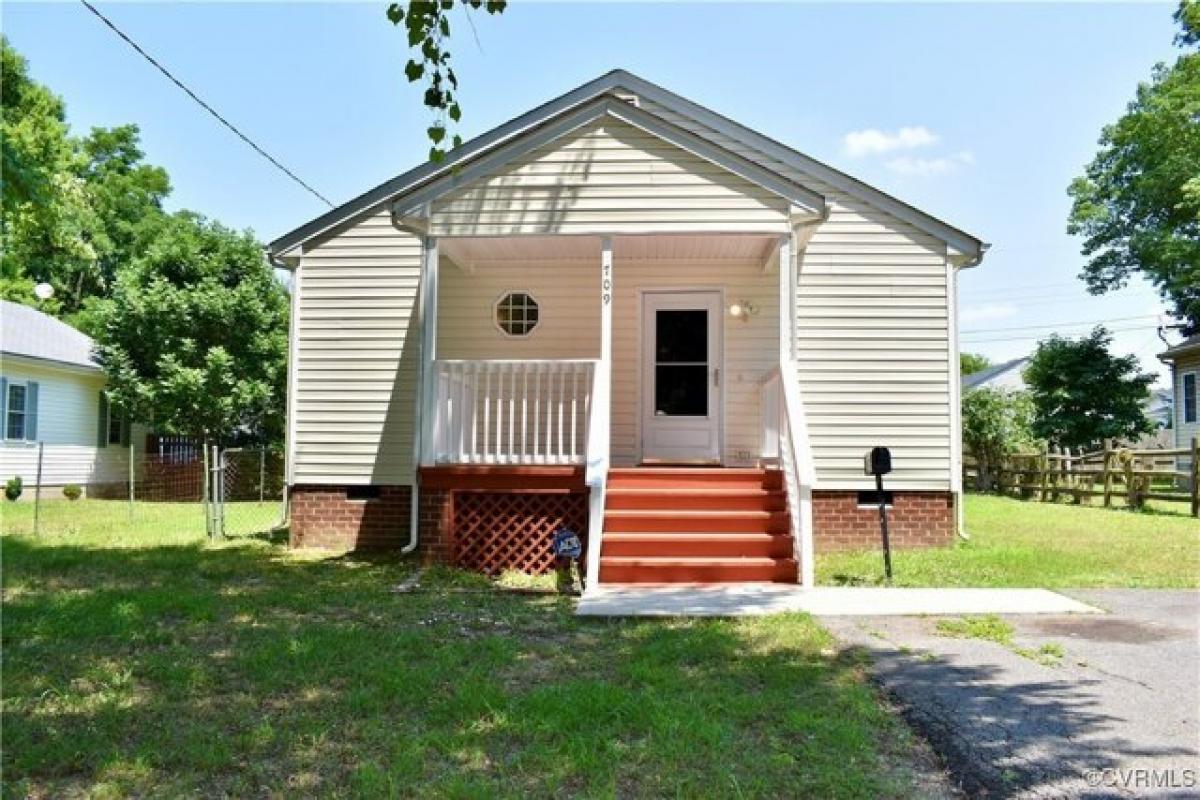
(681,336)
(681,390)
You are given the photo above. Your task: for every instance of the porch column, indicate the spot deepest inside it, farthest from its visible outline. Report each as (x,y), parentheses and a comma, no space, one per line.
(599,438)
(428,413)
(787,302)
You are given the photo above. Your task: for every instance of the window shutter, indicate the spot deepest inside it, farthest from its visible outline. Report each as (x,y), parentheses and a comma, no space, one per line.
(102,434)
(31,411)
(3,408)
(126,431)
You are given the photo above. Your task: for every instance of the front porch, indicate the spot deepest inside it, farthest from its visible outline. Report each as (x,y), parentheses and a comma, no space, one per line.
(603,354)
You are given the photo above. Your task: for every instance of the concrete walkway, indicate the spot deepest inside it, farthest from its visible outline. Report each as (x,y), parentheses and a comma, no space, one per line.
(753,599)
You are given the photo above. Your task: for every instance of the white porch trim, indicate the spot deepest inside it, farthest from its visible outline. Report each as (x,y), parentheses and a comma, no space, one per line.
(599,444)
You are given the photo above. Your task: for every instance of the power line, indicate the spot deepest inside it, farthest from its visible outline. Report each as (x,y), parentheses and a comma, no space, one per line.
(1054,325)
(994,339)
(205,105)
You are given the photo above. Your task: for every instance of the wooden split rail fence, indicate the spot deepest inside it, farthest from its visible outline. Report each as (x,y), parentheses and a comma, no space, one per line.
(1110,473)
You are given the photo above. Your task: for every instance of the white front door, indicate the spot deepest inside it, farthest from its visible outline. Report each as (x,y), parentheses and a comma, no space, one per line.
(681,377)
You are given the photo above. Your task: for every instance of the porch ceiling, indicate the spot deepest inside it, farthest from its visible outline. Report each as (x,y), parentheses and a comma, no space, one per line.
(470,252)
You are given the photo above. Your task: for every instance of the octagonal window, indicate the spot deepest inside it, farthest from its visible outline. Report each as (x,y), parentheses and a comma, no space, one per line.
(517,313)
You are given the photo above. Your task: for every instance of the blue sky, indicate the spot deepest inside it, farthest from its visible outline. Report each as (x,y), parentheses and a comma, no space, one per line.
(979,114)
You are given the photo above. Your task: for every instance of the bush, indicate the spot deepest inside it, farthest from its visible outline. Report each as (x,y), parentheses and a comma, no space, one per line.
(72,491)
(995,423)
(14,487)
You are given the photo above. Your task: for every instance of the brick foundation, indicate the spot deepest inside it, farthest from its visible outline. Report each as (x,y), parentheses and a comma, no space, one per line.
(323,516)
(916,519)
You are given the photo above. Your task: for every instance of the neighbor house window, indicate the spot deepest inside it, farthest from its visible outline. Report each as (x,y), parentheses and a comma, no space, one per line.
(1189,397)
(14,424)
(114,426)
(517,313)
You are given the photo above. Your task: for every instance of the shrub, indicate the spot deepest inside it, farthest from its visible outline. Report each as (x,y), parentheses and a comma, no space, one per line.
(995,423)
(72,491)
(14,487)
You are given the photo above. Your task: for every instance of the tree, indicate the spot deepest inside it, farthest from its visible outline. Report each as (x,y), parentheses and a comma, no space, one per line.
(995,423)
(34,157)
(970,363)
(1138,203)
(194,336)
(428,26)
(1083,394)
(73,209)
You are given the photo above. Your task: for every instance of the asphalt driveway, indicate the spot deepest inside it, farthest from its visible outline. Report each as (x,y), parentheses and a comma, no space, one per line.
(1114,716)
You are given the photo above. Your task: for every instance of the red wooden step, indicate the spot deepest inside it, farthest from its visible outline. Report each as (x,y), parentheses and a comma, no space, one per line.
(656,521)
(677,545)
(695,477)
(716,498)
(640,569)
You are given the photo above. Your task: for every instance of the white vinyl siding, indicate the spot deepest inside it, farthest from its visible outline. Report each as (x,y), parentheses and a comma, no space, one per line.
(873,350)
(1184,430)
(751,347)
(873,338)
(873,323)
(356,355)
(569,328)
(68,411)
(609,177)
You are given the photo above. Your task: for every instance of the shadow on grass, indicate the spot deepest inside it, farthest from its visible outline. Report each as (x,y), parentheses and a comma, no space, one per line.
(244,669)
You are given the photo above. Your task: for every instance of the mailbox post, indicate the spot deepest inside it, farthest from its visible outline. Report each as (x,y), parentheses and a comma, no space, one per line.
(878,462)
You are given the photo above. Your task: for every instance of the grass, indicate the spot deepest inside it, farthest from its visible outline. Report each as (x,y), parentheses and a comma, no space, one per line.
(1029,544)
(141,660)
(991,628)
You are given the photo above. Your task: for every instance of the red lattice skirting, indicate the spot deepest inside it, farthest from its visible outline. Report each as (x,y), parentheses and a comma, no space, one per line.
(497,531)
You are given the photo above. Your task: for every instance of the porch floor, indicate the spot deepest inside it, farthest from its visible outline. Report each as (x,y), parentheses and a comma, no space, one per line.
(756,599)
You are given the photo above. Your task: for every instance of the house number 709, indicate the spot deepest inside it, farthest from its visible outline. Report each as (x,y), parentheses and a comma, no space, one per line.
(606,284)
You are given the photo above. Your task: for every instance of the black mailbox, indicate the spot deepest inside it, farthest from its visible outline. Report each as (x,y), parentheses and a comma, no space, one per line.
(878,461)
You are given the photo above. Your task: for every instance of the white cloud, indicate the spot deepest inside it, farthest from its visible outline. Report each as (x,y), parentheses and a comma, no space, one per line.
(986,312)
(873,141)
(921,167)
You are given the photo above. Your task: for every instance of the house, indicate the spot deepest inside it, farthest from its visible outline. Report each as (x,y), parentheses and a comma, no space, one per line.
(628,315)
(52,392)
(1184,359)
(1006,376)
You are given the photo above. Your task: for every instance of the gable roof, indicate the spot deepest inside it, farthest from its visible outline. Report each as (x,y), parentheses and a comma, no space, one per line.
(580,105)
(30,333)
(986,376)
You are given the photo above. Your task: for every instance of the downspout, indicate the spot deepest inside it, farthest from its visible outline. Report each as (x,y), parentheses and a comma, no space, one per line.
(285,515)
(416,226)
(960,511)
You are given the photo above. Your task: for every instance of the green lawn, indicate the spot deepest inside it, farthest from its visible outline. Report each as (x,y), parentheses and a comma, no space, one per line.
(1025,543)
(141,660)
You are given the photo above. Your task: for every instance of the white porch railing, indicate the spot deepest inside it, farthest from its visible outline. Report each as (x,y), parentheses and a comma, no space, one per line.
(785,441)
(512,411)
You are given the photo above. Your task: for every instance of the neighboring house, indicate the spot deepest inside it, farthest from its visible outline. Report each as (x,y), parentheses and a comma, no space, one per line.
(52,392)
(1160,408)
(1184,359)
(1007,376)
(628,315)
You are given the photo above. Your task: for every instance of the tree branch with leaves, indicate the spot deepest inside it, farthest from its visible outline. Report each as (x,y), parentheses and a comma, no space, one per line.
(428,28)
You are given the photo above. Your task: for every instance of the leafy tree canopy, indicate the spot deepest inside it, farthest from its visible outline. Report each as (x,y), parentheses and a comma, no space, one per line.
(194,336)
(970,363)
(1138,203)
(1083,394)
(73,208)
(428,27)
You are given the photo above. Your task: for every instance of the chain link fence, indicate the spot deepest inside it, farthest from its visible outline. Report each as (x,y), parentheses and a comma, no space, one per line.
(179,491)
